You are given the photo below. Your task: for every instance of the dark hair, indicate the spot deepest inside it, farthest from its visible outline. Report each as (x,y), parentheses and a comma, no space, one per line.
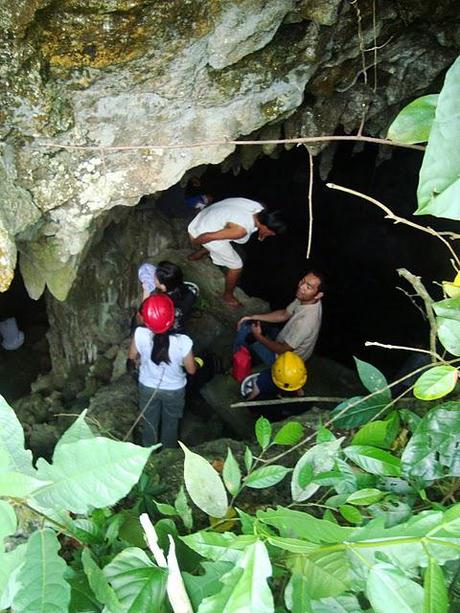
(274,220)
(322,287)
(170,275)
(160,349)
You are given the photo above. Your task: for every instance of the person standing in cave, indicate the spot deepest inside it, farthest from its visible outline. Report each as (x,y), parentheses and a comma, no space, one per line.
(300,332)
(165,358)
(231,220)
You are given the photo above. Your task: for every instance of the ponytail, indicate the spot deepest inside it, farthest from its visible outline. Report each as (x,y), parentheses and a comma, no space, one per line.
(160,349)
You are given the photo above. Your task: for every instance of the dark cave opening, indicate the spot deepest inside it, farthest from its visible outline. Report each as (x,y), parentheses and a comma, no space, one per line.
(19,367)
(359,250)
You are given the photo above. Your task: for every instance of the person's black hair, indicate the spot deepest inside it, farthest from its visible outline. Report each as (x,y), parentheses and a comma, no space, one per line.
(160,349)
(322,287)
(170,275)
(274,220)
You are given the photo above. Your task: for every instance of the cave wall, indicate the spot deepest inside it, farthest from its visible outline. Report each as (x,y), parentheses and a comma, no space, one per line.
(117,73)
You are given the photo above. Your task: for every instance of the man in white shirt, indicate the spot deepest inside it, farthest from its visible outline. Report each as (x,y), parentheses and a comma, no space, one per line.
(303,322)
(227,221)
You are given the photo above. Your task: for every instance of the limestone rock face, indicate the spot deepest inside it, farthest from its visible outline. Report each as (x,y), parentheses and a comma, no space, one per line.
(157,74)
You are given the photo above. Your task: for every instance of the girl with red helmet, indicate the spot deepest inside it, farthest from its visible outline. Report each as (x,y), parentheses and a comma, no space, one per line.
(165,358)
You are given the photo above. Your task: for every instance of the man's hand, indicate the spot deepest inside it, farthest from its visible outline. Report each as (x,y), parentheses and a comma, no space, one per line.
(242,320)
(256,329)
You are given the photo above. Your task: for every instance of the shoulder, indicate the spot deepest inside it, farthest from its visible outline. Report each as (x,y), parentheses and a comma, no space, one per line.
(142,336)
(183,342)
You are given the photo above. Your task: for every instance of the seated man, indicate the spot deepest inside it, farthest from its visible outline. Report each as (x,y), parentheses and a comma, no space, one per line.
(299,334)
(232,219)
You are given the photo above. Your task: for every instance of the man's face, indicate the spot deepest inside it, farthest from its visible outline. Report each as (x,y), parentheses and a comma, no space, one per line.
(308,289)
(264,232)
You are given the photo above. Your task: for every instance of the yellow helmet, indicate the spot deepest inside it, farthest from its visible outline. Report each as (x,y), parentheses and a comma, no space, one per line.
(289,372)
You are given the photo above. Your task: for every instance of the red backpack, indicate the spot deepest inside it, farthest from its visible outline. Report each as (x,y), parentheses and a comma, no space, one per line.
(242,364)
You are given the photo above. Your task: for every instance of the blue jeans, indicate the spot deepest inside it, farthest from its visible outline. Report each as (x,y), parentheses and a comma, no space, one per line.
(167,407)
(266,355)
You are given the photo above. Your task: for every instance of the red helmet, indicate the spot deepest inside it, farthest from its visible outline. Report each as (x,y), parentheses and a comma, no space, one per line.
(158,313)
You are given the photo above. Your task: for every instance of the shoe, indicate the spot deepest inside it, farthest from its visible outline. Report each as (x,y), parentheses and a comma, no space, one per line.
(247,385)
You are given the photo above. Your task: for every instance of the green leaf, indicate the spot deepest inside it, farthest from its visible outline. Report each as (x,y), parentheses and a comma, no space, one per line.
(410,418)
(139,584)
(351,514)
(374,460)
(78,430)
(388,589)
(263,432)
(41,578)
(432,452)
(292,545)
(436,598)
(183,508)
(289,434)
(296,594)
(266,476)
(203,484)
(321,458)
(340,604)
(413,123)
(305,476)
(365,497)
(93,472)
(372,379)
(436,382)
(327,573)
(248,459)
(449,309)
(10,564)
(303,525)
(12,440)
(81,595)
(438,190)
(231,474)
(99,584)
(379,433)
(200,587)
(358,410)
(245,587)
(165,509)
(19,485)
(226,547)
(323,435)
(8,520)
(449,334)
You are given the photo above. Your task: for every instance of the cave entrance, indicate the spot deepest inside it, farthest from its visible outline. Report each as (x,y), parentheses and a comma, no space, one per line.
(21,366)
(359,249)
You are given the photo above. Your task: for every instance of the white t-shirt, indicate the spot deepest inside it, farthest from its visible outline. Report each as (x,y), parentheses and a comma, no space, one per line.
(240,211)
(302,328)
(165,376)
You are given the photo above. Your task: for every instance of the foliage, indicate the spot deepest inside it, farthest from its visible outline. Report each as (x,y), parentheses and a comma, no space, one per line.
(413,123)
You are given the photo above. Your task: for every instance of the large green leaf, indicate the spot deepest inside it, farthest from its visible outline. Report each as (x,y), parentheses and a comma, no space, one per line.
(449,334)
(449,309)
(201,586)
(389,589)
(204,484)
(41,577)
(436,382)
(372,379)
(12,440)
(245,587)
(320,459)
(303,525)
(365,497)
(358,410)
(231,473)
(77,431)
(435,599)
(327,573)
(19,485)
(289,434)
(433,451)
(374,460)
(266,476)
(139,584)
(378,433)
(226,547)
(413,123)
(341,604)
(88,473)
(296,595)
(99,584)
(439,183)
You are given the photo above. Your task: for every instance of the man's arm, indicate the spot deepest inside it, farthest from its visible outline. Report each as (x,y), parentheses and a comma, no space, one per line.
(275,346)
(231,231)
(274,317)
